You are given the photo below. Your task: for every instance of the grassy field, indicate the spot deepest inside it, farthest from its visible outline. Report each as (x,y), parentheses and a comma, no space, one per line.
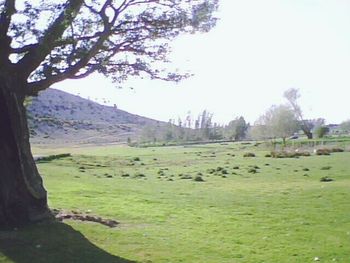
(246,209)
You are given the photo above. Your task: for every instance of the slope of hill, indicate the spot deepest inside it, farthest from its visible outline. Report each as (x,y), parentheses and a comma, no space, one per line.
(59,117)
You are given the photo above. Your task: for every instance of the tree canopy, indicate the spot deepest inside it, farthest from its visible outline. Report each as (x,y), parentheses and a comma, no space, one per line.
(277,122)
(45,42)
(292,95)
(49,41)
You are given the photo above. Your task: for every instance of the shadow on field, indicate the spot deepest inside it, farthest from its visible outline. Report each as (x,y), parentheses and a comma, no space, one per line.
(52,243)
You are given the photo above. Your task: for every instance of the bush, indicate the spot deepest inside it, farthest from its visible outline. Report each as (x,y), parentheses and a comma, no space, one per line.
(211,171)
(185,176)
(139,175)
(224,171)
(288,154)
(198,179)
(321,131)
(249,155)
(337,150)
(53,157)
(161,173)
(323,151)
(326,179)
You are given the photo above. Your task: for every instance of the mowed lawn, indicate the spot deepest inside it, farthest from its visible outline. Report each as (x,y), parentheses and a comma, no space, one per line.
(247,209)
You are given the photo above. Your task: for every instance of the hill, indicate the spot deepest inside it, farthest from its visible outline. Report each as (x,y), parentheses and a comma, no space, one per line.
(59,117)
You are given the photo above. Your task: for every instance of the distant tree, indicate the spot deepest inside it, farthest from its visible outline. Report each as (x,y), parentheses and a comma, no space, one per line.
(259,131)
(292,95)
(216,132)
(45,42)
(321,131)
(206,124)
(236,129)
(345,126)
(278,122)
(317,122)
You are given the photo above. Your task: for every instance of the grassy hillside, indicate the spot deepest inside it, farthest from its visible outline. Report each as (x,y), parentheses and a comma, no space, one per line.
(59,117)
(247,209)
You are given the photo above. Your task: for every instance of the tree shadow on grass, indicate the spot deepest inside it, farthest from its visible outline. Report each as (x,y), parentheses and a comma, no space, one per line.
(52,243)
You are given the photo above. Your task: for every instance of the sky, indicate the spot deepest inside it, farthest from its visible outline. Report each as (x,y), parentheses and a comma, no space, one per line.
(258,50)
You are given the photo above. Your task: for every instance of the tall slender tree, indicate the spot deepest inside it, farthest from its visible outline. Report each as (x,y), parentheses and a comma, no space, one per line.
(292,95)
(45,42)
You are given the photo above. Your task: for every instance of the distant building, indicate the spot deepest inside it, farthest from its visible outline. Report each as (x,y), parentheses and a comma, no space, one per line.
(334,128)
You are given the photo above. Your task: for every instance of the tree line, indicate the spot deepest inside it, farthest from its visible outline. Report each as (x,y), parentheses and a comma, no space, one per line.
(201,128)
(285,121)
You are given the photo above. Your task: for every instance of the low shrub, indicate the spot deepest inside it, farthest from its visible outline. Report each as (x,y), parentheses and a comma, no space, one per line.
(161,173)
(255,167)
(249,155)
(139,175)
(52,157)
(337,150)
(224,171)
(289,154)
(211,171)
(185,176)
(198,179)
(326,179)
(323,151)
(252,171)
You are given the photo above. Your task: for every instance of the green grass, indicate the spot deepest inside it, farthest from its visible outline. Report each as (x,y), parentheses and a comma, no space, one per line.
(281,213)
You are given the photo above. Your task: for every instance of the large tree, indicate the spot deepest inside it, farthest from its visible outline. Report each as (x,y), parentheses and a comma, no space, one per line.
(237,129)
(292,95)
(45,42)
(277,122)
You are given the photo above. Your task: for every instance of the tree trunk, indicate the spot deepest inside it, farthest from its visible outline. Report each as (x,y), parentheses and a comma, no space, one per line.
(305,127)
(23,198)
(308,134)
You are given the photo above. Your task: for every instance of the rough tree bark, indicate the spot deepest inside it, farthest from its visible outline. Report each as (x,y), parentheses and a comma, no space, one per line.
(23,198)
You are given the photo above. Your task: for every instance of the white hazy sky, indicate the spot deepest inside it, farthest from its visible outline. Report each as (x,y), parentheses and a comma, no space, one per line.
(242,67)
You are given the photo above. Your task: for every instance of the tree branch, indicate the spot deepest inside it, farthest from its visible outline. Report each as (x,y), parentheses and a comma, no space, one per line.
(5,40)
(33,88)
(36,56)
(6,15)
